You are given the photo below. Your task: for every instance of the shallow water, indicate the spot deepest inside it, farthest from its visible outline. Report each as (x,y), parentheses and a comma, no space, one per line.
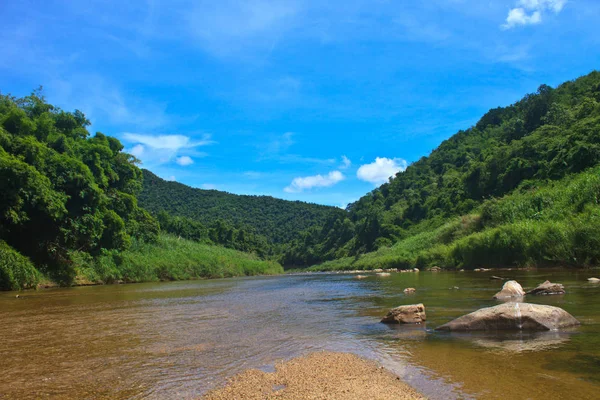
(180,339)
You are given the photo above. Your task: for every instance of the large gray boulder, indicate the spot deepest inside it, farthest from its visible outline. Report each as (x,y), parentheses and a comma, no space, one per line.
(513,316)
(411,314)
(547,288)
(510,289)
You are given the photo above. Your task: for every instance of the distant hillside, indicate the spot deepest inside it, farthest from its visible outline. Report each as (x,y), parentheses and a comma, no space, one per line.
(532,150)
(279,220)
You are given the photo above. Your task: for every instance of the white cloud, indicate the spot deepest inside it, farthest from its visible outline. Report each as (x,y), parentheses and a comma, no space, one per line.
(308,182)
(529,12)
(346,163)
(379,171)
(184,161)
(159,149)
(137,151)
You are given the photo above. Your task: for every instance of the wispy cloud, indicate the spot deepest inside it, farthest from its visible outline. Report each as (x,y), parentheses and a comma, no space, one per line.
(160,149)
(346,163)
(277,149)
(529,12)
(380,170)
(226,28)
(184,161)
(308,182)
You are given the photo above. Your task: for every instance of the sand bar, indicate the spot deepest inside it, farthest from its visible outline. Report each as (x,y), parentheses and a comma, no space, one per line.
(322,375)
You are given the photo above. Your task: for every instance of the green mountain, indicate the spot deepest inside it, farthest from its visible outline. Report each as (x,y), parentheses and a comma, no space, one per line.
(522,178)
(280,221)
(69,210)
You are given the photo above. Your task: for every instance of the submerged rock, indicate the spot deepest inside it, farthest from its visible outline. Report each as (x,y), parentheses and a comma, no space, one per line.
(513,316)
(547,288)
(410,290)
(510,289)
(498,278)
(360,277)
(411,314)
(383,274)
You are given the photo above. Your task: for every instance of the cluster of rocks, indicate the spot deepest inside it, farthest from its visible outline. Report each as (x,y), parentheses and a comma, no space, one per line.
(514,289)
(508,316)
(378,272)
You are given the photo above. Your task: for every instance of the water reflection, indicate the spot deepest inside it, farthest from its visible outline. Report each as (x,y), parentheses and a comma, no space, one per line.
(177,340)
(517,342)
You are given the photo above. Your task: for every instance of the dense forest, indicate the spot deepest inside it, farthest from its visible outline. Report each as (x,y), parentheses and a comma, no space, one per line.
(279,221)
(511,179)
(68,202)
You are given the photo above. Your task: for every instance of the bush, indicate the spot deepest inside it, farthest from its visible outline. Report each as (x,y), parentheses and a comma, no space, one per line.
(16,271)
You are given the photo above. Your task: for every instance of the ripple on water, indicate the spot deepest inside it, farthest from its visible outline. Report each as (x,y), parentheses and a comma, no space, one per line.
(179,339)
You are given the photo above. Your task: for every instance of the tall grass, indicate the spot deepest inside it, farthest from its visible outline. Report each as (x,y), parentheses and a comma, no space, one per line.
(16,271)
(174,259)
(558,224)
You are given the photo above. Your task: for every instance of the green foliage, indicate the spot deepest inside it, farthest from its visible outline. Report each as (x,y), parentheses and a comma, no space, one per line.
(16,271)
(542,138)
(278,220)
(172,258)
(219,232)
(63,191)
(554,224)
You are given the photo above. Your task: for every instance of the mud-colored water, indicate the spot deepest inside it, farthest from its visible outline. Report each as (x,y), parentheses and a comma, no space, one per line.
(178,340)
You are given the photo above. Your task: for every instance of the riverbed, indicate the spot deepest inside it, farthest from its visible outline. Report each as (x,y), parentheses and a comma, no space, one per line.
(181,339)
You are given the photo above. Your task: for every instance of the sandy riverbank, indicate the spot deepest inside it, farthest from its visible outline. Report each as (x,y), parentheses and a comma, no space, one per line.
(320,375)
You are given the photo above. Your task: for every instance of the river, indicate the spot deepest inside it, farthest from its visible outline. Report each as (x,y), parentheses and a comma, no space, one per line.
(180,339)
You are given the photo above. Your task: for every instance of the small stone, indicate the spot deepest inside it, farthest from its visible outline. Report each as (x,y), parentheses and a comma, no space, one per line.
(410,314)
(593,280)
(510,289)
(409,290)
(548,288)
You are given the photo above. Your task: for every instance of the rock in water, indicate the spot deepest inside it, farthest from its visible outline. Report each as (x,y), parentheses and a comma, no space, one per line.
(548,288)
(510,289)
(412,314)
(410,290)
(594,280)
(383,274)
(360,277)
(513,316)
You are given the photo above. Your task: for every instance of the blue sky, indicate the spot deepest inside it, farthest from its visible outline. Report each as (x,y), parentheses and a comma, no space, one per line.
(318,101)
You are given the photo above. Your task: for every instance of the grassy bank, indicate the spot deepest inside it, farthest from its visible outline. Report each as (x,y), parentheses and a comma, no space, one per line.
(168,259)
(556,224)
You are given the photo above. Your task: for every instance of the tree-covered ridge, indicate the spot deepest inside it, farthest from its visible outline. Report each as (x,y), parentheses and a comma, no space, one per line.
(278,220)
(543,137)
(65,191)
(69,210)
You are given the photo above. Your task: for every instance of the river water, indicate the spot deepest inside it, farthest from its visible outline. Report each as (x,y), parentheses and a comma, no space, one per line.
(180,339)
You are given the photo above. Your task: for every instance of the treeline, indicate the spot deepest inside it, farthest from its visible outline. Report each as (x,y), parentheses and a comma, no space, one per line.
(68,199)
(242,238)
(542,138)
(279,221)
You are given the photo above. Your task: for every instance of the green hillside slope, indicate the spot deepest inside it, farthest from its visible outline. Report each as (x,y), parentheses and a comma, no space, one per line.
(278,220)
(547,136)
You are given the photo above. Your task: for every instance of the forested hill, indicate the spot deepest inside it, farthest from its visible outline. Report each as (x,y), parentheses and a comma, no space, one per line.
(547,136)
(278,220)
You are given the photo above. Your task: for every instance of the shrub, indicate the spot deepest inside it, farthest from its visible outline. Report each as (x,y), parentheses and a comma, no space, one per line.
(16,271)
